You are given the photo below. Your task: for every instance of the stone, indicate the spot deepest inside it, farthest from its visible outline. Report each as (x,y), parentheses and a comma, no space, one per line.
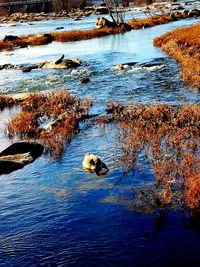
(194,13)
(64,64)
(85,80)
(29,68)
(93,163)
(19,154)
(59,28)
(9,38)
(103,22)
(21,96)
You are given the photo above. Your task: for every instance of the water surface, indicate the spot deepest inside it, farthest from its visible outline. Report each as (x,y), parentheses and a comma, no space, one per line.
(52,212)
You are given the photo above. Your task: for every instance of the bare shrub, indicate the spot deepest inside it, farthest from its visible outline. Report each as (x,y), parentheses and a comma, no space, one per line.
(169,137)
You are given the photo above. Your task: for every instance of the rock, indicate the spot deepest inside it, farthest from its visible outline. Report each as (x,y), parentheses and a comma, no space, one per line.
(24,45)
(55,122)
(59,28)
(77,19)
(119,67)
(174,6)
(185,13)
(64,64)
(125,27)
(8,67)
(102,10)
(17,155)
(123,66)
(60,60)
(43,38)
(103,22)
(194,13)
(9,38)
(29,68)
(85,80)
(20,96)
(93,163)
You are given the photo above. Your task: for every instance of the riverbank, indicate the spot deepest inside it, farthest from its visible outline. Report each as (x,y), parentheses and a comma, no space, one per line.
(13,42)
(73,14)
(183,45)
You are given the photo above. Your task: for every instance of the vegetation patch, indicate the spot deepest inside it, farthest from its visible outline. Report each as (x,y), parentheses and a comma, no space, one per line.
(6,102)
(184,46)
(69,36)
(51,118)
(169,138)
(150,21)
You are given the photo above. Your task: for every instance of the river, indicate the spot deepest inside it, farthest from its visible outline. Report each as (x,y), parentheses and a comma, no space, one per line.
(53,213)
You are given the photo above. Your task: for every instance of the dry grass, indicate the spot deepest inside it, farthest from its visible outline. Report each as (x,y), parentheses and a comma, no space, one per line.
(156,20)
(69,36)
(58,109)
(150,21)
(184,46)
(169,138)
(6,102)
(77,35)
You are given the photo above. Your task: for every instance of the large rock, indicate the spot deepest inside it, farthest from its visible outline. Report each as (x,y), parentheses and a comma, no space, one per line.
(101,10)
(103,22)
(194,13)
(62,64)
(93,163)
(9,38)
(17,155)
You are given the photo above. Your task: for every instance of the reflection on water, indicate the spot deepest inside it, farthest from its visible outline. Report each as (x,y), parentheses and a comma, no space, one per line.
(56,214)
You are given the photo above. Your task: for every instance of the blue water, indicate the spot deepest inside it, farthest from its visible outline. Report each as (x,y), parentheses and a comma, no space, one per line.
(52,212)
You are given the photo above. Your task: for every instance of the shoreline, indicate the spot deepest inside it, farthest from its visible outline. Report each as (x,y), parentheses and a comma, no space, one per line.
(183,46)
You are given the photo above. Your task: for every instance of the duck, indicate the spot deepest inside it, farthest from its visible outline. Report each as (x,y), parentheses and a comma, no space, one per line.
(93,163)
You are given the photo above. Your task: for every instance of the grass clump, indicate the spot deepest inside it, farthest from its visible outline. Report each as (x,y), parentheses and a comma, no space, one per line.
(169,138)
(184,46)
(52,118)
(6,102)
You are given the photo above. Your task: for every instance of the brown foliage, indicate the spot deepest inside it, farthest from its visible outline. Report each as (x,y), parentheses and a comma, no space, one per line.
(77,35)
(184,45)
(69,36)
(58,109)
(169,137)
(6,102)
(155,20)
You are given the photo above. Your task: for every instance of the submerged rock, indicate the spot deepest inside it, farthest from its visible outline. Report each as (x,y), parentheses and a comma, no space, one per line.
(93,163)
(132,66)
(19,154)
(85,80)
(8,67)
